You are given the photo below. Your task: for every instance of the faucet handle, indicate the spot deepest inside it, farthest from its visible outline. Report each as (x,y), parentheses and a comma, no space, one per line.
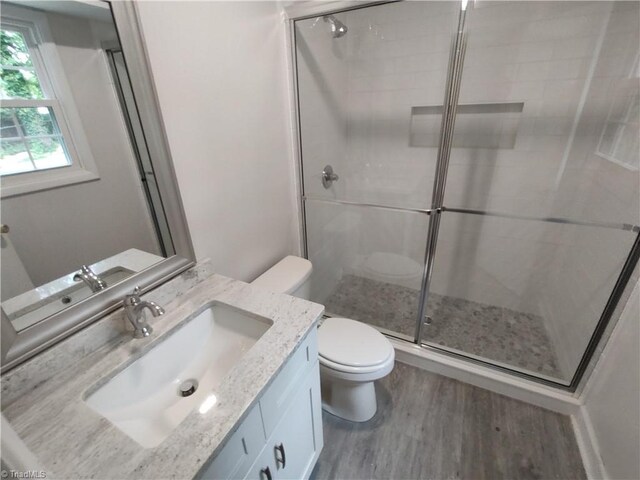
(84,270)
(132,298)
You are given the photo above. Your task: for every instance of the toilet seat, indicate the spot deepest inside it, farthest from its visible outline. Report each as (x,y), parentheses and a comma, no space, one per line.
(354,348)
(356,370)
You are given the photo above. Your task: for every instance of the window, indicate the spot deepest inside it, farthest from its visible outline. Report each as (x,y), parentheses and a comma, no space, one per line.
(40,143)
(619,141)
(31,138)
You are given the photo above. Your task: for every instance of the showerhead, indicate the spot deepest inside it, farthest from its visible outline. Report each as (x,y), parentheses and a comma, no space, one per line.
(338,29)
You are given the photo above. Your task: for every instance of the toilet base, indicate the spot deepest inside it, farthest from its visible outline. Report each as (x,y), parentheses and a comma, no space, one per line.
(353,401)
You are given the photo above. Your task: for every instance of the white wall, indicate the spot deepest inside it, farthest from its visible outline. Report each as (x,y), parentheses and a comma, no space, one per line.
(57,230)
(17,279)
(221,77)
(612,397)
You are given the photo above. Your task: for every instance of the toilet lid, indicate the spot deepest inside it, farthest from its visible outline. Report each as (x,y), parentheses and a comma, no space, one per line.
(348,342)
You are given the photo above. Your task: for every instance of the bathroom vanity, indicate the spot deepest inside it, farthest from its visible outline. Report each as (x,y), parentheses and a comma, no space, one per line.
(281,436)
(104,404)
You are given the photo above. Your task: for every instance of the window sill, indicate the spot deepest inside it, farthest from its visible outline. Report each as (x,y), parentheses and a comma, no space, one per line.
(628,166)
(31,182)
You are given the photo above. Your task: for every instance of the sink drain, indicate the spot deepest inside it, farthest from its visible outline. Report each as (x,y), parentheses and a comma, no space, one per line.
(188,387)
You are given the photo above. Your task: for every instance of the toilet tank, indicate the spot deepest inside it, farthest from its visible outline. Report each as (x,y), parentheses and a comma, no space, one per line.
(290,275)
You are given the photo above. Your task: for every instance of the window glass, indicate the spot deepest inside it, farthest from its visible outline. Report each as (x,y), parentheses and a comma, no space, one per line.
(30,138)
(18,77)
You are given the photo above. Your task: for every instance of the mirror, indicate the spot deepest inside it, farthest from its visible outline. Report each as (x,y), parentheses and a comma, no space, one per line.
(77,185)
(88,200)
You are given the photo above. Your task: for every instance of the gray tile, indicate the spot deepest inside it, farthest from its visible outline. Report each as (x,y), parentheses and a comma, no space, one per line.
(488,331)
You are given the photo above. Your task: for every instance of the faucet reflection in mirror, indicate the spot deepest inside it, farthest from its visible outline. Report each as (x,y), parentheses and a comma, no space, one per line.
(88,276)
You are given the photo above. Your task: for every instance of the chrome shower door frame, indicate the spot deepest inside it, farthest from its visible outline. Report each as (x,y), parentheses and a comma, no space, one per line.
(437,208)
(622,285)
(450,104)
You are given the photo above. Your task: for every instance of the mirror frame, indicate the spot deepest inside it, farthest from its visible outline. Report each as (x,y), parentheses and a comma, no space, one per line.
(16,347)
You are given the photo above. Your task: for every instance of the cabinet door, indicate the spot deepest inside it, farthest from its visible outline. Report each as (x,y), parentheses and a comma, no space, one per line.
(264,468)
(293,448)
(239,452)
(278,397)
(297,440)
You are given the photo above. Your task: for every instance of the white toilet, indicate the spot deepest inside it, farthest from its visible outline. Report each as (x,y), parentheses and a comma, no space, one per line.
(353,355)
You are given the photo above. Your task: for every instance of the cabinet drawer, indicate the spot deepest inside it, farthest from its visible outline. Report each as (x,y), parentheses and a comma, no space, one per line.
(297,440)
(292,450)
(280,393)
(240,451)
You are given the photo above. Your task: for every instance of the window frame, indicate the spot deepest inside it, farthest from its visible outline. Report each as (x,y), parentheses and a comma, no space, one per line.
(626,122)
(48,67)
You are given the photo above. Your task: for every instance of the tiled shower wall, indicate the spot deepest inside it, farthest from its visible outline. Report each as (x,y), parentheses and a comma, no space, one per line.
(322,77)
(583,271)
(538,54)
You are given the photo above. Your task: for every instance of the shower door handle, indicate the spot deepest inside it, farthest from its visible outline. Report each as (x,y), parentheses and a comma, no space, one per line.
(328,177)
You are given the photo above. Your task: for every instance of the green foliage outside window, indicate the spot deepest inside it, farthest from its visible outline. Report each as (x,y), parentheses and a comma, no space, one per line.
(21,82)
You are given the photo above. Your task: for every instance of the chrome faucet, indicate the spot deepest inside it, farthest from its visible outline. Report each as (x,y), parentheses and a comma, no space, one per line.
(88,276)
(134,309)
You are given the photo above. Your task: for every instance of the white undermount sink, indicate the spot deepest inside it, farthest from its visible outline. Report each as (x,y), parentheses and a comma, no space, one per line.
(145,400)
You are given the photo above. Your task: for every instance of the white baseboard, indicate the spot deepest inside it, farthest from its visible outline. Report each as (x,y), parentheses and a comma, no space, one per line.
(489,379)
(588,445)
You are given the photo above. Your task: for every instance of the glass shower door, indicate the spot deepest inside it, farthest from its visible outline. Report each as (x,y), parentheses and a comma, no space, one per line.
(541,202)
(370,88)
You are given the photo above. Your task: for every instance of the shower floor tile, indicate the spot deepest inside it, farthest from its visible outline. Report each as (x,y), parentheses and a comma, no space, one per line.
(378,303)
(496,333)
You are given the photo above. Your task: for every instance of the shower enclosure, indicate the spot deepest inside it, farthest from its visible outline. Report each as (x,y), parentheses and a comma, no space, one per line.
(470,174)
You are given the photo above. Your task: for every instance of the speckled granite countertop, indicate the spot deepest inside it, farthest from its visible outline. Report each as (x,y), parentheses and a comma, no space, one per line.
(43,398)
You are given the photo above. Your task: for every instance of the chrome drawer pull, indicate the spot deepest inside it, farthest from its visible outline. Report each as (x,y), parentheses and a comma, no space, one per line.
(266,471)
(283,456)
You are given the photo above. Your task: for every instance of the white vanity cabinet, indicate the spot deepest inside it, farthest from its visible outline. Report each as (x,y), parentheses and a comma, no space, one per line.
(281,437)
(292,449)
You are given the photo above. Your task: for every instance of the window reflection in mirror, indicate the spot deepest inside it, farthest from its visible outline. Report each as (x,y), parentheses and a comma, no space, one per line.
(79,204)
